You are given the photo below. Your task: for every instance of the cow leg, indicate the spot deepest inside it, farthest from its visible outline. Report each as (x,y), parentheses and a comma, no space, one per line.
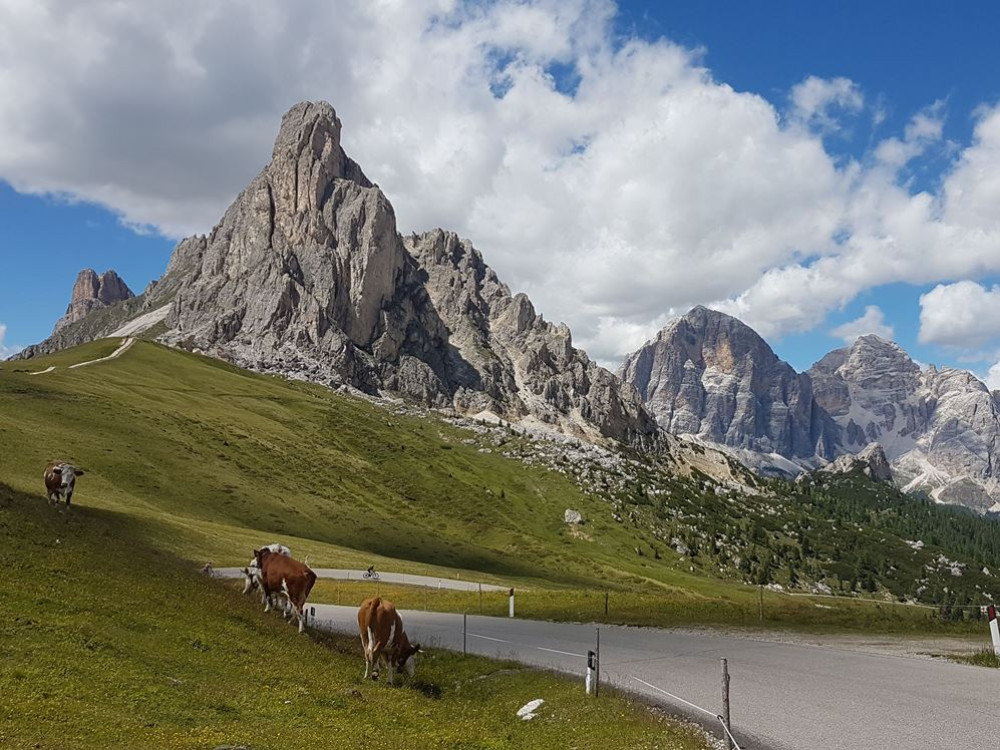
(69,498)
(367,654)
(377,659)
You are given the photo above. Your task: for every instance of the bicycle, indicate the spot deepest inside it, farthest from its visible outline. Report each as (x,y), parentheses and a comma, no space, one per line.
(370,574)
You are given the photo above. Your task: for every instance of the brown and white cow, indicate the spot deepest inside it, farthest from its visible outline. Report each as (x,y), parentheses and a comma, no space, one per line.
(252,579)
(60,481)
(284,575)
(383,638)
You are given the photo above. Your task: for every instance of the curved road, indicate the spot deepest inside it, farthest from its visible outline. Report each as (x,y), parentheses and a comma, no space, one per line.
(344,574)
(783,696)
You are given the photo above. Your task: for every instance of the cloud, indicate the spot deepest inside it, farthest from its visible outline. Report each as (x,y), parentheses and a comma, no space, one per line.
(873,321)
(961,315)
(612,178)
(925,129)
(6,351)
(817,102)
(993,377)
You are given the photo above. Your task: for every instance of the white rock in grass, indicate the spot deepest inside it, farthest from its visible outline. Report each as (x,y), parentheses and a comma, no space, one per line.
(527,711)
(572,516)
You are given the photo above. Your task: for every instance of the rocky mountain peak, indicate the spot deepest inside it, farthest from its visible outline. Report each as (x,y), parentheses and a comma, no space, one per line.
(308,144)
(92,292)
(871,368)
(306,275)
(711,375)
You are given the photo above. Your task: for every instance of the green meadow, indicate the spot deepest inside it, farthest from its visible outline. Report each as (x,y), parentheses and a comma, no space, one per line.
(108,640)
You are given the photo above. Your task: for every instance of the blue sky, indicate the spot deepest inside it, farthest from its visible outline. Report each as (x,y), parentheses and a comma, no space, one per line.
(110,161)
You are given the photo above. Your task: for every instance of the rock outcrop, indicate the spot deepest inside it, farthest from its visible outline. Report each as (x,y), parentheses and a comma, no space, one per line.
(870,460)
(92,292)
(514,362)
(708,374)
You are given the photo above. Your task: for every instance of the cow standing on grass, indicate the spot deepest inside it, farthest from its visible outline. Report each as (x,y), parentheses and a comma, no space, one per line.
(383,638)
(280,574)
(251,573)
(60,481)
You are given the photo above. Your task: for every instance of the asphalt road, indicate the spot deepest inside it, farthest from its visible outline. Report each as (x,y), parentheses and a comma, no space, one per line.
(783,696)
(357,575)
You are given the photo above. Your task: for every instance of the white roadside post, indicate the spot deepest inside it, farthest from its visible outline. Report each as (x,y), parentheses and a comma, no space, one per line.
(511,603)
(590,682)
(991,612)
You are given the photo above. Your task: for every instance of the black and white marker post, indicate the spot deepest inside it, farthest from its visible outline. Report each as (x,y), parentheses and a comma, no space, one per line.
(991,612)
(512,602)
(591,681)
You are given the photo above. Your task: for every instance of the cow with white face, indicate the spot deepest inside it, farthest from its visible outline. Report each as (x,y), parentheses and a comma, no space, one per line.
(60,481)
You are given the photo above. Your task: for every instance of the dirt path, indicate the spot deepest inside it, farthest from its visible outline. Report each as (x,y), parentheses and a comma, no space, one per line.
(124,347)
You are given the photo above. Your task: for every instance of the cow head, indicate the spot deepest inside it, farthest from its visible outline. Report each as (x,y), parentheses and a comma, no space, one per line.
(67,474)
(405,658)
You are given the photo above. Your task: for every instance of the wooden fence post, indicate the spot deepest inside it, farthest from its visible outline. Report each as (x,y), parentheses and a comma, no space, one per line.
(725,703)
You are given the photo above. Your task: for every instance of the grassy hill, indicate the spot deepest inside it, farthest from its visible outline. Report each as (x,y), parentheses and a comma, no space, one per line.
(212,458)
(208,461)
(106,641)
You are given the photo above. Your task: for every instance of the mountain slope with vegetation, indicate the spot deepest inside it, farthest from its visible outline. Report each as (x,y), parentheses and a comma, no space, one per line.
(211,461)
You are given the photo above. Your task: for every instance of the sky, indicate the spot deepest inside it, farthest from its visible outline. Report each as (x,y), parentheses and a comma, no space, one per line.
(821,171)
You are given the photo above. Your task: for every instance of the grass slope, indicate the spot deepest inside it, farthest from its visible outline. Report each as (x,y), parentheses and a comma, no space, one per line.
(205,449)
(209,461)
(108,642)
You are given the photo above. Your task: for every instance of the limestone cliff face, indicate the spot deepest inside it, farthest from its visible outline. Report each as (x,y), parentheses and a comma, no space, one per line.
(870,389)
(710,375)
(306,270)
(940,428)
(92,292)
(510,360)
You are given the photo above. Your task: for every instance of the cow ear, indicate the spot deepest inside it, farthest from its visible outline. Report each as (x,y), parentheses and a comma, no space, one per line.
(417,649)
(78,472)
(57,469)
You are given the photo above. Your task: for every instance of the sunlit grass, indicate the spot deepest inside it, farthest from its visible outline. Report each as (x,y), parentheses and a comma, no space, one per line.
(108,642)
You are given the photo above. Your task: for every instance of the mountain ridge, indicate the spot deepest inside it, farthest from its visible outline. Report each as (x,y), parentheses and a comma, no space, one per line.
(306,275)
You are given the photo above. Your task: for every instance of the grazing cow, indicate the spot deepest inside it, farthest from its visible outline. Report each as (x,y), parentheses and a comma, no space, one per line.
(251,574)
(60,481)
(383,638)
(280,574)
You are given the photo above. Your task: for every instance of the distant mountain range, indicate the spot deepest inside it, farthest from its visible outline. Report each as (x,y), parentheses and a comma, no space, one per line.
(306,275)
(709,376)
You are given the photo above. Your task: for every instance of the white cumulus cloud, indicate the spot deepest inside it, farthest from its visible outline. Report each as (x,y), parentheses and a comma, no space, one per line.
(614,179)
(818,101)
(961,315)
(873,321)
